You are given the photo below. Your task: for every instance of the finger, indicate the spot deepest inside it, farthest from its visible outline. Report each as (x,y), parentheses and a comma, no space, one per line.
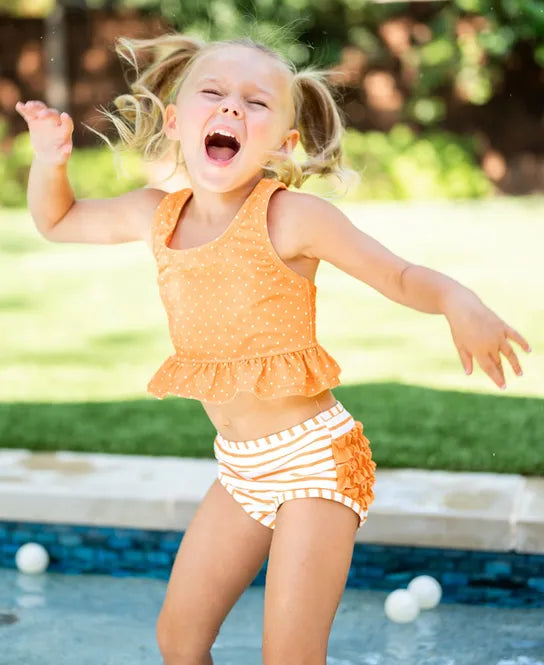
(32,107)
(49,114)
(466,359)
(46,111)
(42,113)
(66,120)
(513,334)
(508,351)
(493,367)
(23,109)
(31,104)
(20,108)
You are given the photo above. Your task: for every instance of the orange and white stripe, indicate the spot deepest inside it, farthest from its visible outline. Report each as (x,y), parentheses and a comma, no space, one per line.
(297,462)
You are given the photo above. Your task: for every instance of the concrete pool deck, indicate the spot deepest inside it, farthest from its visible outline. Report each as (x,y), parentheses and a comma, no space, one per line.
(480,511)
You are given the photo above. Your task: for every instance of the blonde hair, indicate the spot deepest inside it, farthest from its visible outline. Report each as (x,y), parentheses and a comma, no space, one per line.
(140,115)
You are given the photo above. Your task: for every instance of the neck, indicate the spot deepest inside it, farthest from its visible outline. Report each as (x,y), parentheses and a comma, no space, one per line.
(212,208)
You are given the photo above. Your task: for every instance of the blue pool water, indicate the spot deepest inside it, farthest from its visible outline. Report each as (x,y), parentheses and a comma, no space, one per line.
(56,619)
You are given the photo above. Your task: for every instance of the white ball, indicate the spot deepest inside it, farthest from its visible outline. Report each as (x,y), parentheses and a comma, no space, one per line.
(32,559)
(426,590)
(401,606)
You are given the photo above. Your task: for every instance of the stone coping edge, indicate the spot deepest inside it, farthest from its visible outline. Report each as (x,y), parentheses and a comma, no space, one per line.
(462,510)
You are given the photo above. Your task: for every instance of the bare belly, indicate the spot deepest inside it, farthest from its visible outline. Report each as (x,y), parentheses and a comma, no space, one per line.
(248,417)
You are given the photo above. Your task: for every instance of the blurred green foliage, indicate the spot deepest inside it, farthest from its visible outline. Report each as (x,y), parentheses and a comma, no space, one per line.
(14,165)
(440,54)
(403,165)
(394,165)
(92,171)
(460,45)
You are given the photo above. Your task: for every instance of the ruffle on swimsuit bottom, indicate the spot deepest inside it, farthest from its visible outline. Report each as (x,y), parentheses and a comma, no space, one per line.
(303,372)
(354,465)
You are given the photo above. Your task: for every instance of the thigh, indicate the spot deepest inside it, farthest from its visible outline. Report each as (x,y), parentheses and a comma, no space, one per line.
(220,554)
(308,565)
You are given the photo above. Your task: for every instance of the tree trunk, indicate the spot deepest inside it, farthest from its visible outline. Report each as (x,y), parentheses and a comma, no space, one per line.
(57,90)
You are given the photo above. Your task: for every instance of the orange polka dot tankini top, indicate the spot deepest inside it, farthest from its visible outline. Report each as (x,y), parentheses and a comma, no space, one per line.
(240,319)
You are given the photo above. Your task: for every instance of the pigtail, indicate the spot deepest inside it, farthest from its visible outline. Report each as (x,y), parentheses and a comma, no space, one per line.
(320,124)
(140,115)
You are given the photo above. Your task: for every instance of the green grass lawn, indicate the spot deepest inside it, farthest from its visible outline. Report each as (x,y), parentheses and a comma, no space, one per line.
(83,330)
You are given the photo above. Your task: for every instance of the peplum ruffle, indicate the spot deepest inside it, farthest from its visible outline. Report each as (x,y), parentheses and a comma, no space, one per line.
(354,466)
(306,371)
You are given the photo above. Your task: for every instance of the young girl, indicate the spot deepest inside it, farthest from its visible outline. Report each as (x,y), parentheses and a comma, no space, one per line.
(237,254)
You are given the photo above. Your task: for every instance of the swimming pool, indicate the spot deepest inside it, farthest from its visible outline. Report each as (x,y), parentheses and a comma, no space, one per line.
(63,619)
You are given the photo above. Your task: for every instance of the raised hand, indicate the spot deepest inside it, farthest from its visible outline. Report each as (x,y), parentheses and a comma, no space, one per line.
(478,332)
(50,132)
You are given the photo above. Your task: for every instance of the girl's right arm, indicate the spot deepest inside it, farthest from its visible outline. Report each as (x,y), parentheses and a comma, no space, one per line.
(54,209)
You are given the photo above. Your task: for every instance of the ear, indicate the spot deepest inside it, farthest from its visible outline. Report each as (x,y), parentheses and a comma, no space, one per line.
(170,121)
(290,141)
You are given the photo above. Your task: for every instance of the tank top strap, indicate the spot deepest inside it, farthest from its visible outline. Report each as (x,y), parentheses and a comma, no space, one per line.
(256,225)
(166,215)
(254,207)
(270,186)
(255,210)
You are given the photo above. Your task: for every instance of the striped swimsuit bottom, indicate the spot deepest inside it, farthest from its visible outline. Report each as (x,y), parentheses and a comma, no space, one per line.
(326,456)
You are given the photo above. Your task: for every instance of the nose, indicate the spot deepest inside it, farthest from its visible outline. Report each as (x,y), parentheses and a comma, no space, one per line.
(230,108)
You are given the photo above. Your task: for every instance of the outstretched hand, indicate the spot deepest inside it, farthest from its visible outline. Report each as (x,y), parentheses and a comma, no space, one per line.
(50,131)
(479,333)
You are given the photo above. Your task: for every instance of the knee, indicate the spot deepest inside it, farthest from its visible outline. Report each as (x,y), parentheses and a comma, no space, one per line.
(178,644)
(284,654)
(169,641)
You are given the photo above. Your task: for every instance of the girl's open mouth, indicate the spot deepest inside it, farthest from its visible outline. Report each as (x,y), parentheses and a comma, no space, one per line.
(221,148)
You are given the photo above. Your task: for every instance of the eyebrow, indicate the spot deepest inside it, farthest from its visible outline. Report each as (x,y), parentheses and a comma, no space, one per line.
(216,80)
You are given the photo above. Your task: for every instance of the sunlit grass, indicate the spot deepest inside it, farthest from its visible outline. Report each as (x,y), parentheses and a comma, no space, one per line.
(83,330)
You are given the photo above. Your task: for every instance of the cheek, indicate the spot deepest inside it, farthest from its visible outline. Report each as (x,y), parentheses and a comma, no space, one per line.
(263,130)
(193,119)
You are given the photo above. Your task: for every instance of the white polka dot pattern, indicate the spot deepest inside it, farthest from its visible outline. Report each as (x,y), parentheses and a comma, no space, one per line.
(239,317)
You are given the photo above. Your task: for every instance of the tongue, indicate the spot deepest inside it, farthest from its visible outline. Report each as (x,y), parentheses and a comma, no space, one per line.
(222,154)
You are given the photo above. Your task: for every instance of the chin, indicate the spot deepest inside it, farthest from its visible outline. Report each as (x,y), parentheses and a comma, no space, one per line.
(223,179)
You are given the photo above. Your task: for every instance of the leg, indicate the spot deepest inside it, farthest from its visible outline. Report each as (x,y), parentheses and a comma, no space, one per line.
(307,571)
(220,554)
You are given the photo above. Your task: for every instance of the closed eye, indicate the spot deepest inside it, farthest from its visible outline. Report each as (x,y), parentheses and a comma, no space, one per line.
(215,92)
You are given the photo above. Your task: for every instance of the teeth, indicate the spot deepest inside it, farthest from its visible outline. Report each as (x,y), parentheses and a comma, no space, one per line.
(224,132)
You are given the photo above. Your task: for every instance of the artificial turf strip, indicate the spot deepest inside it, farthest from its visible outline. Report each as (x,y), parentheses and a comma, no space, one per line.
(408,427)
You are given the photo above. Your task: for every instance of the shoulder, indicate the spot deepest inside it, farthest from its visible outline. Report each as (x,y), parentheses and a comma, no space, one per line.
(146,203)
(304,217)
(289,201)
(150,198)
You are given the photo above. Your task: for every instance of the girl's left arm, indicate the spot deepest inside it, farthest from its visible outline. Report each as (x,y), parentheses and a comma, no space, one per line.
(324,232)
